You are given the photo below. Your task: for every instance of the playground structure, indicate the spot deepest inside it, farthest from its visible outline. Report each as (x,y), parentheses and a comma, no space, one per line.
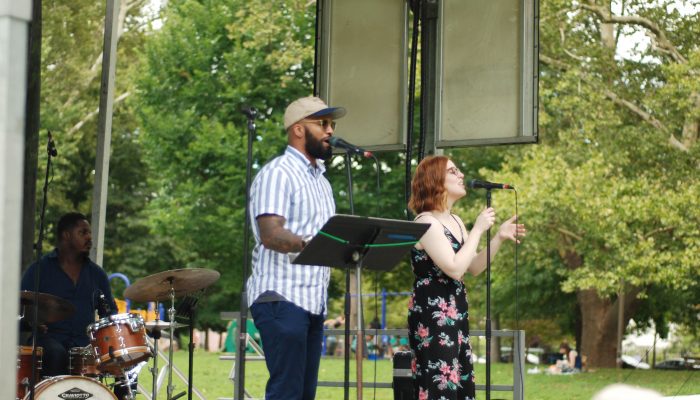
(124,306)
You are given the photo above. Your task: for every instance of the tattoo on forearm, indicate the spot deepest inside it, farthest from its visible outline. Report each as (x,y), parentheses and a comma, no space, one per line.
(286,243)
(276,237)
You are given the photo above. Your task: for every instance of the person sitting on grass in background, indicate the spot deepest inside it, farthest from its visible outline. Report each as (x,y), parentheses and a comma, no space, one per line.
(568,362)
(332,340)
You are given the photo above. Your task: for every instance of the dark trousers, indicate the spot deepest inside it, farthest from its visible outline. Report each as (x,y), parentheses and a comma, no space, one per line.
(55,358)
(291,338)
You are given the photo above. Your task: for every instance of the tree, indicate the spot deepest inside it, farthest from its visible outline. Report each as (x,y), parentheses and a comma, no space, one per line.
(611,199)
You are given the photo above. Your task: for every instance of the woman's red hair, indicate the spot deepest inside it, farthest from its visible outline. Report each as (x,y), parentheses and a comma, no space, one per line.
(428,185)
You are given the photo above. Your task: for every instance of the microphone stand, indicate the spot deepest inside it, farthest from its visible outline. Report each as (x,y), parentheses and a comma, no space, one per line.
(488,303)
(51,152)
(239,394)
(346,352)
(359,347)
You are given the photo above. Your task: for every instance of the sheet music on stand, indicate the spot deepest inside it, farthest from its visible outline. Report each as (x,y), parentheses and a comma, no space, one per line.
(380,243)
(348,241)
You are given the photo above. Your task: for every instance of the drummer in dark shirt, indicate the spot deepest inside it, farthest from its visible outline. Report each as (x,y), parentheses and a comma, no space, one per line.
(68,273)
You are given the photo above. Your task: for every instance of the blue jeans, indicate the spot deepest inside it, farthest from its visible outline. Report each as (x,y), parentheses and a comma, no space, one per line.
(291,338)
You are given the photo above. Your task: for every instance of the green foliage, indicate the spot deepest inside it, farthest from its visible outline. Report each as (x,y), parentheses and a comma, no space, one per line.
(604,188)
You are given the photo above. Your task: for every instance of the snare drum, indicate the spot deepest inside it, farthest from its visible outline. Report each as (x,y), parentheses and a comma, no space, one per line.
(24,368)
(119,341)
(83,362)
(71,387)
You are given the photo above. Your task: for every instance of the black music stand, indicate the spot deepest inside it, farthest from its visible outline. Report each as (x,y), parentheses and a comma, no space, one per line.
(347,241)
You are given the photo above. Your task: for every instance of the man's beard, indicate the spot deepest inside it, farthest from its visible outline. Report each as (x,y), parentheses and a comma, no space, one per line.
(315,147)
(85,254)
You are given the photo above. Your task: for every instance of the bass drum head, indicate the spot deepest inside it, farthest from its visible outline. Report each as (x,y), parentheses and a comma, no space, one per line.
(71,387)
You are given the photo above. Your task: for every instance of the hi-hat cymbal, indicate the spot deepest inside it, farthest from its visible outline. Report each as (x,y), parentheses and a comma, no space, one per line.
(157,287)
(51,308)
(154,326)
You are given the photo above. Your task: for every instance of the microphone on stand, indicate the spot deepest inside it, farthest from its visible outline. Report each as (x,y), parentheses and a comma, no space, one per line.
(103,309)
(335,141)
(477,184)
(249,112)
(51,147)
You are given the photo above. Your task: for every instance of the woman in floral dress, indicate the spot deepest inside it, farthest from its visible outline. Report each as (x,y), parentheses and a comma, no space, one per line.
(438,312)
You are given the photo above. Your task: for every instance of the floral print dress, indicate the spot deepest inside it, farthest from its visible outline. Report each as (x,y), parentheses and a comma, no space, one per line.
(438,321)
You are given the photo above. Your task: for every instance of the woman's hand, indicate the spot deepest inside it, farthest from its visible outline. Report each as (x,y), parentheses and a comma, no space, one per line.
(485,220)
(510,230)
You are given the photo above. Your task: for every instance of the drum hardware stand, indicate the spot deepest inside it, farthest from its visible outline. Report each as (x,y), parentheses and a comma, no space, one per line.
(188,309)
(154,369)
(171,331)
(155,334)
(161,378)
(130,377)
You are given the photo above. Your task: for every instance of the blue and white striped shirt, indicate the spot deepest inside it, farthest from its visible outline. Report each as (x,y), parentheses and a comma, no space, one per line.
(291,187)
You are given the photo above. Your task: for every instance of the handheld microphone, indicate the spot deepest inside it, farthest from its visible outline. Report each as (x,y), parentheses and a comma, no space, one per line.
(477,184)
(51,147)
(351,148)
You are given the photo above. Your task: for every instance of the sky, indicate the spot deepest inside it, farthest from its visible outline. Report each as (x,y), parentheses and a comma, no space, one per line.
(630,38)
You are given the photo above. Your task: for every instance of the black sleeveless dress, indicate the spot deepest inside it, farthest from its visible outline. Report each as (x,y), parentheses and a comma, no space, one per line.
(438,321)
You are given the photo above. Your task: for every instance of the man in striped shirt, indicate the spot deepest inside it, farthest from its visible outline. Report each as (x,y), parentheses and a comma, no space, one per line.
(290,202)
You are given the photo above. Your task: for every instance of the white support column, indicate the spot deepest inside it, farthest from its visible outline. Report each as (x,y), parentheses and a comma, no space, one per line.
(14,26)
(104,130)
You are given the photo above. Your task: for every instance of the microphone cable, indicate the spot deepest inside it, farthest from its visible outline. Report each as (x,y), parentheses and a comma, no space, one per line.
(515,260)
(690,373)
(415,6)
(376,347)
(517,294)
(635,368)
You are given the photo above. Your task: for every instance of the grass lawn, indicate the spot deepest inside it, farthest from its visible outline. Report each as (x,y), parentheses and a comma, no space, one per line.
(211,379)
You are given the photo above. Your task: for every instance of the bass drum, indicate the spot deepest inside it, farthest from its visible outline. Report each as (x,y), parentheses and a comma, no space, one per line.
(71,387)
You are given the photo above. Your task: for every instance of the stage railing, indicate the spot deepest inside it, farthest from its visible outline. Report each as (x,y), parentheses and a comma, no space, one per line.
(517,387)
(518,337)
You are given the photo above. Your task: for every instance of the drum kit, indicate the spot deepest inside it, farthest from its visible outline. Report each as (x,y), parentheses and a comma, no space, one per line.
(119,345)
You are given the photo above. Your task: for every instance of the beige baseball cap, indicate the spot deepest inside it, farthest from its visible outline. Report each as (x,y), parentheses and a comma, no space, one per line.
(310,107)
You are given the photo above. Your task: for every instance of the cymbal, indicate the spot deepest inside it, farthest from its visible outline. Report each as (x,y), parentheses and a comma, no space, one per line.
(157,287)
(154,326)
(51,308)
